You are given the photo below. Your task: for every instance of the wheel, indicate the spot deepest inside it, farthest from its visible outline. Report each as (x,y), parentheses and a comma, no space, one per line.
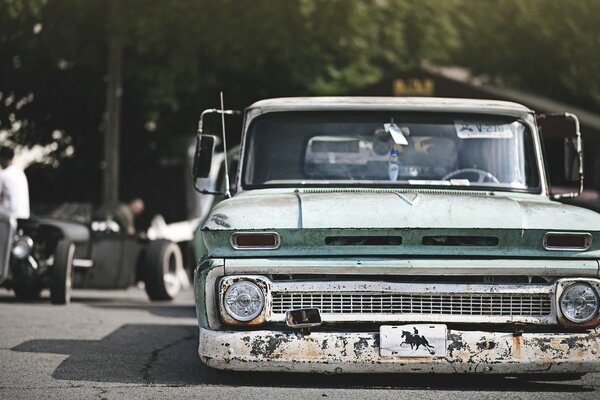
(27,291)
(480,174)
(61,276)
(161,262)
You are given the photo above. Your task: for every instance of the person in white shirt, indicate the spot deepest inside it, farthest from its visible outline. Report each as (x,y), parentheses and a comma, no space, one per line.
(14,190)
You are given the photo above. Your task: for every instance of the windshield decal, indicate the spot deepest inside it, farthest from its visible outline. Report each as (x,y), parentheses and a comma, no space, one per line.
(482,130)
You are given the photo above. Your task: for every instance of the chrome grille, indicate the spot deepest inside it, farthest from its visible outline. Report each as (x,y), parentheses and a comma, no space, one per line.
(505,304)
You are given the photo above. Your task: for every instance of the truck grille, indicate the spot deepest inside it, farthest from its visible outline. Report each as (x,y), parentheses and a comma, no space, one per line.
(506,304)
(374,301)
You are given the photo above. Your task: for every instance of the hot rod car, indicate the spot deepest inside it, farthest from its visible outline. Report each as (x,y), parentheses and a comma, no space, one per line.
(61,254)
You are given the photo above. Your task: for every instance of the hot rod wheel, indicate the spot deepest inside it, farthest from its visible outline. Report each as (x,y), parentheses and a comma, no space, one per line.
(160,264)
(61,277)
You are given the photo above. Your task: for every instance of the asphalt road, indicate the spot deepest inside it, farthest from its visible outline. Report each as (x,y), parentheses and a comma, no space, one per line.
(116,344)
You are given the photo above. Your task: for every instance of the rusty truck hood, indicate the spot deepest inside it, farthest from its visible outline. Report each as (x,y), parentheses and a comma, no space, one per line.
(401,213)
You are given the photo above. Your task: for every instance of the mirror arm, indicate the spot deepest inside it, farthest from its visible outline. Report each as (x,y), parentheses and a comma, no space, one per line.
(579,149)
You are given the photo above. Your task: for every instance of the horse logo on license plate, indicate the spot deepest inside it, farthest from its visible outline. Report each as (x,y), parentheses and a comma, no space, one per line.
(413,341)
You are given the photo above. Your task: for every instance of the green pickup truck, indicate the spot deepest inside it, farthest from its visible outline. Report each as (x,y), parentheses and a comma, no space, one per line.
(403,235)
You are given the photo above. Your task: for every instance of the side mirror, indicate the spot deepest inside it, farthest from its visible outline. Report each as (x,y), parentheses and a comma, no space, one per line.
(572,144)
(205,148)
(573,161)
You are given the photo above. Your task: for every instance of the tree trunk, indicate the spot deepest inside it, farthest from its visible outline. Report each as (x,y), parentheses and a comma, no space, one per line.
(110,192)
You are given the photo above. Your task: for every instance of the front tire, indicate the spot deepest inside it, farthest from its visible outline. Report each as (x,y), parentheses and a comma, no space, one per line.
(160,265)
(27,292)
(61,277)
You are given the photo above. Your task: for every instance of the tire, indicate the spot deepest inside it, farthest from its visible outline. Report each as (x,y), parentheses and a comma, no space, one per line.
(27,292)
(61,276)
(161,261)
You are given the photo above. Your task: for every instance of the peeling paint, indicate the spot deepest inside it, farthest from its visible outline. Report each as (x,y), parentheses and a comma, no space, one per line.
(486,345)
(360,346)
(221,220)
(468,352)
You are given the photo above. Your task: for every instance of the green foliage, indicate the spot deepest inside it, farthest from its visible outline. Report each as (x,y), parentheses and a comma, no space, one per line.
(179,54)
(548,47)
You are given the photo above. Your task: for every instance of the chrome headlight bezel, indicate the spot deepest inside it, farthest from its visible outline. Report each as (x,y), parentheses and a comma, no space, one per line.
(22,247)
(561,286)
(251,293)
(583,286)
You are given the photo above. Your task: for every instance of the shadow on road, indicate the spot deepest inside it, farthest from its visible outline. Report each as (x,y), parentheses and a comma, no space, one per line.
(161,310)
(167,354)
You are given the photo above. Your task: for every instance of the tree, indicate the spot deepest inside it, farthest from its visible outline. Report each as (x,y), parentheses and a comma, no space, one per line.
(547,47)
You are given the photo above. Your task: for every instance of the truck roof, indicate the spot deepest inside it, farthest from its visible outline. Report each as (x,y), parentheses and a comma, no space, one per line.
(432,104)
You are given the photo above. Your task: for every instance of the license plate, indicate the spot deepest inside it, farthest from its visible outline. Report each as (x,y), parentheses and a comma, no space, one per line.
(416,340)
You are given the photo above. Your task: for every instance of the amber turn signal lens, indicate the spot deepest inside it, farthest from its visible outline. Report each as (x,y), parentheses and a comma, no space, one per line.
(255,241)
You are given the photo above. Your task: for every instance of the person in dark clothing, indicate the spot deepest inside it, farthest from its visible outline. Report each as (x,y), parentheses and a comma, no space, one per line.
(123,214)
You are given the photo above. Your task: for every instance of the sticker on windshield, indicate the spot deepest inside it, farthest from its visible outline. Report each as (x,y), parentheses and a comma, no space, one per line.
(482,130)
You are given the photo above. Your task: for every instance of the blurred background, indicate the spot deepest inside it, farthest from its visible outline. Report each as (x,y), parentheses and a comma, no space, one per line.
(102,97)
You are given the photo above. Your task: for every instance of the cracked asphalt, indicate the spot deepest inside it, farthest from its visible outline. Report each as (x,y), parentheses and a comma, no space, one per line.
(117,344)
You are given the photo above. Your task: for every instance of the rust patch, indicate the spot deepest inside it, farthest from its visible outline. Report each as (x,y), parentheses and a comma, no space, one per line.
(516,346)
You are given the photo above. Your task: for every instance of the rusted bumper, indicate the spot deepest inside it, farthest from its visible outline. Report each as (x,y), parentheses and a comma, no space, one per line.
(467,352)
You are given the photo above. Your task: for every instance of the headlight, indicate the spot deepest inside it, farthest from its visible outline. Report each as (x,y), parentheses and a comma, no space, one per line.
(244,301)
(579,303)
(22,247)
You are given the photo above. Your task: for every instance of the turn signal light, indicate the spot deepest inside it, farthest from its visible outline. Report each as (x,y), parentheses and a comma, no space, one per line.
(567,241)
(255,240)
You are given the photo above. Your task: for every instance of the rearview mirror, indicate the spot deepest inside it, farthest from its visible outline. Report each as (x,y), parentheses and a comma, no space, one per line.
(205,147)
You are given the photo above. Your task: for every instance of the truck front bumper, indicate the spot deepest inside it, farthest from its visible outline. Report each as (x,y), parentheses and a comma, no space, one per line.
(333,352)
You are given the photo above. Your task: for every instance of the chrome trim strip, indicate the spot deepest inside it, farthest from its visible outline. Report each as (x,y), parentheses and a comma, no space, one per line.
(419,267)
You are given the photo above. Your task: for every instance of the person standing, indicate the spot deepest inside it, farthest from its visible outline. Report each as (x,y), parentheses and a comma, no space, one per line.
(14,190)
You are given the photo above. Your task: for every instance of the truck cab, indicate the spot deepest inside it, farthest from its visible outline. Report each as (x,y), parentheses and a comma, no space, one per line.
(403,235)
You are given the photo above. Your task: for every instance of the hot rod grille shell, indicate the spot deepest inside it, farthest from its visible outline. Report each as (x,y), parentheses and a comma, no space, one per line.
(506,304)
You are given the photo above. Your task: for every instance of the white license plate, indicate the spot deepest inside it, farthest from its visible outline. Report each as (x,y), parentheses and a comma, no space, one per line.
(415,340)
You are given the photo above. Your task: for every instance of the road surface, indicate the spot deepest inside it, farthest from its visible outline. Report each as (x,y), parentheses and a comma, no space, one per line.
(116,344)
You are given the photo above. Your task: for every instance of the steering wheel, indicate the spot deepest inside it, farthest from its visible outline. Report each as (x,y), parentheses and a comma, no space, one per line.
(481,175)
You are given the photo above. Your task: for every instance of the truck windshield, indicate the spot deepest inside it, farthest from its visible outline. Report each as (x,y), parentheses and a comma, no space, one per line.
(388,150)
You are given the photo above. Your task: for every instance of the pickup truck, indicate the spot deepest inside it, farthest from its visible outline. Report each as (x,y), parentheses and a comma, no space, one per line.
(408,235)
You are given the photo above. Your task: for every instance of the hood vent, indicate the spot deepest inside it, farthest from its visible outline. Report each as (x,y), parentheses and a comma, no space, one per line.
(486,241)
(363,240)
